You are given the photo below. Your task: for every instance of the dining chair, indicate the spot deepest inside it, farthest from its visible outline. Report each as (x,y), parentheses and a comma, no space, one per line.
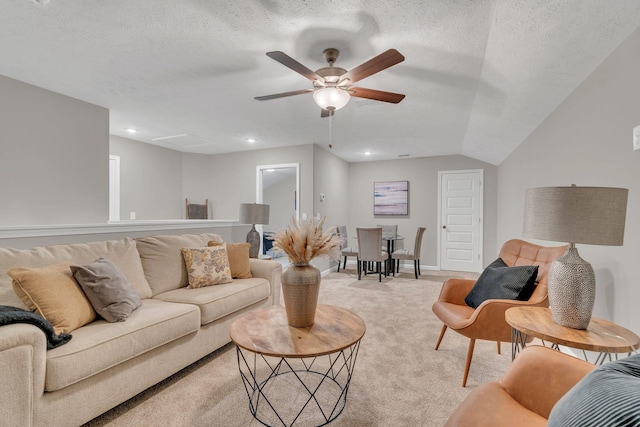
(369,250)
(345,249)
(409,254)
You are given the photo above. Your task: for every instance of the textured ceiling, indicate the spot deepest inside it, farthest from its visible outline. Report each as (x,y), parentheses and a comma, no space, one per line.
(479,75)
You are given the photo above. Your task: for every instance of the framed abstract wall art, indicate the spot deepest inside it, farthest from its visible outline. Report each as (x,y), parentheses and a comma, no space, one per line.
(391,198)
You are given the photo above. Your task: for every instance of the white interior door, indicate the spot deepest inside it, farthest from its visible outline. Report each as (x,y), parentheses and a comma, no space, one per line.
(460,210)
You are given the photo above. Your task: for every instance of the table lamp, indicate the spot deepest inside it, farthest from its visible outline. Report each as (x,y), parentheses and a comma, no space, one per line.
(254,213)
(589,215)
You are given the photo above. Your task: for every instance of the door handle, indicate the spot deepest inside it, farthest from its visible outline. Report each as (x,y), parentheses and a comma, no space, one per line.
(444,226)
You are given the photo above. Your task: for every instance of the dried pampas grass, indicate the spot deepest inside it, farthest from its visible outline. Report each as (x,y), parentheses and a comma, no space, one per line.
(302,241)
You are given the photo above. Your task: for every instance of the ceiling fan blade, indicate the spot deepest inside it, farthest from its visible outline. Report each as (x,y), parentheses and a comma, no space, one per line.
(383,61)
(326,113)
(378,95)
(283,94)
(289,62)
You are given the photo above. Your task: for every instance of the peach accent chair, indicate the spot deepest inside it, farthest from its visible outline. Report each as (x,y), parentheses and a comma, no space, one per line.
(487,321)
(526,393)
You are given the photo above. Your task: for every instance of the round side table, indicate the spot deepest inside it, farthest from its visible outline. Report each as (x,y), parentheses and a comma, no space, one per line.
(602,336)
(293,375)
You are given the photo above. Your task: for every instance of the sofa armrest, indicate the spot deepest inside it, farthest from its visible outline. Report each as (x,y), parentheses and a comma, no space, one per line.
(270,270)
(23,358)
(540,376)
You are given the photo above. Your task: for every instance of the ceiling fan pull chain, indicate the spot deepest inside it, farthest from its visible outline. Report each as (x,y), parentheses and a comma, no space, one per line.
(330,130)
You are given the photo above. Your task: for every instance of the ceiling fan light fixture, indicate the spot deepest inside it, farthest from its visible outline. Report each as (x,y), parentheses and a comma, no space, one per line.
(331,98)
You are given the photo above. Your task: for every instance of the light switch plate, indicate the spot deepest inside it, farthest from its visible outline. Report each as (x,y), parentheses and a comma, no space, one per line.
(636,138)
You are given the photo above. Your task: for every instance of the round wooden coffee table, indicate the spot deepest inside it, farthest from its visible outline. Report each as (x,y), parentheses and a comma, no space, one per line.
(602,336)
(293,375)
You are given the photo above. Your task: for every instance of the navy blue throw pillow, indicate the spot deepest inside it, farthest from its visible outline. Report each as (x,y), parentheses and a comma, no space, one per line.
(498,281)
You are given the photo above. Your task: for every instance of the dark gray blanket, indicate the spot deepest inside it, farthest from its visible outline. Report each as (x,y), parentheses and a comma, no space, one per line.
(9,315)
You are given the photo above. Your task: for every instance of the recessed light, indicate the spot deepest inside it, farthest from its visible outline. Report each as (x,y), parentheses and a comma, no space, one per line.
(367,153)
(251,140)
(132,130)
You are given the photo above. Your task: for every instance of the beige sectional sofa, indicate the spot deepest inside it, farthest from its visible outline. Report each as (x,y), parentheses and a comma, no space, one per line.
(105,364)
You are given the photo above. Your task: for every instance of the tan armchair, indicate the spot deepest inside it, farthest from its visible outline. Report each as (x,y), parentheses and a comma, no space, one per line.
(487,321)
(526,393)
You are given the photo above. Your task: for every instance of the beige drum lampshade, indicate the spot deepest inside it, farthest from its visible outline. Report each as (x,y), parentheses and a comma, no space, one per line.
(589,215)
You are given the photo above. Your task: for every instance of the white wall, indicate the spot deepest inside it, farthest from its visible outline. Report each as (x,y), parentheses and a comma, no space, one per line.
(422,174)
(587,141)
(54,157)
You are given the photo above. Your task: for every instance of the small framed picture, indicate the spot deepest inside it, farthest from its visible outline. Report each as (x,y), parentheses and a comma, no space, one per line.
(391,198)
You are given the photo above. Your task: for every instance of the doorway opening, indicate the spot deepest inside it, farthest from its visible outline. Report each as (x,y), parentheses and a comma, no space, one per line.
(279,187)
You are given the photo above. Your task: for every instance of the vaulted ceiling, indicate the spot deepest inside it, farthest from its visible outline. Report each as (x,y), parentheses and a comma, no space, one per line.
(479,75)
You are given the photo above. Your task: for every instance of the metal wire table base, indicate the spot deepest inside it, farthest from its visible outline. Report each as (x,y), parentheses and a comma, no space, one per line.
(519,342)
(297,391)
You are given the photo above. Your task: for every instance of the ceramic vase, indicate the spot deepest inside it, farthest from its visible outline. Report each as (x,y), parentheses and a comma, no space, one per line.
(300,287)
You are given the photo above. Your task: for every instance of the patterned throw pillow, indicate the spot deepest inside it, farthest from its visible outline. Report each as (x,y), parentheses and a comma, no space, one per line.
(207,266)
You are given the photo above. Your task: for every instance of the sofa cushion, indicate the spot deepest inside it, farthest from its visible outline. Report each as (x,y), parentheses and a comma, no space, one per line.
(608,395)
(162,260)
(218,301)
(107,289)
(206,266)
(54,294)
(100,345)
(515,283)
(122,253)
(238,254)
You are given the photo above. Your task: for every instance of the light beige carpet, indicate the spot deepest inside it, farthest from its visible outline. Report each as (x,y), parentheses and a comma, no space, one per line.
(399,379)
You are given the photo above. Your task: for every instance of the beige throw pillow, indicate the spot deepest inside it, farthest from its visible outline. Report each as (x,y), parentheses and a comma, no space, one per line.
(238,254)
(54,294)
(207,266)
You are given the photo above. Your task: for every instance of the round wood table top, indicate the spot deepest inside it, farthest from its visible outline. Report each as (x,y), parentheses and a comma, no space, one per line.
(600,336)
(266,331)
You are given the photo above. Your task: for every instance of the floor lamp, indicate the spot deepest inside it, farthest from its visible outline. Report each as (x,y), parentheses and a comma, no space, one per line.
(254,213)
(590,215)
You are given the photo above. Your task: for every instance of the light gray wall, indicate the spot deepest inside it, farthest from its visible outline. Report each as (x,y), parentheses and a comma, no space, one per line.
(54,157)
(330,177)
(196,181)
(587,141)
(150,180)
(422,174)
(233,177)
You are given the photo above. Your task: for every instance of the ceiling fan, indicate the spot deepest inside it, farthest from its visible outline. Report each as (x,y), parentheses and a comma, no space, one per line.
(332,85)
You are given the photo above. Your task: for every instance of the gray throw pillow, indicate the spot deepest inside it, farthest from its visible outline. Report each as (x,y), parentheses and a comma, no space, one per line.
(500,282)
(110,293)
(607,396)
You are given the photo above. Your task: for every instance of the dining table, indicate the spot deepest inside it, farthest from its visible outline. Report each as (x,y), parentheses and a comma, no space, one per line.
(391,246)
